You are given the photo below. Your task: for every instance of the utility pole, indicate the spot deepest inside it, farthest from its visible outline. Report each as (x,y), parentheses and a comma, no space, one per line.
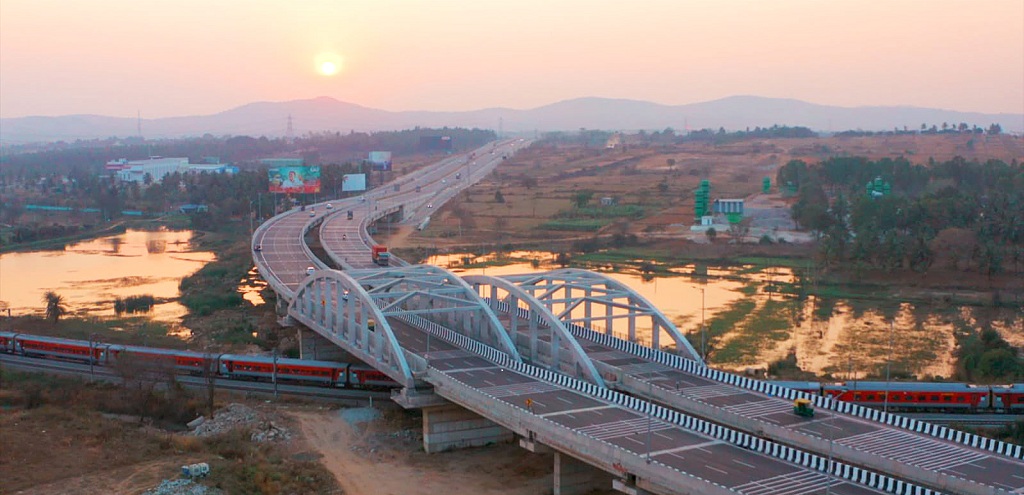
(888,366)
(703,328)
(650,405)
(92,357)
(275,372)
(831,442)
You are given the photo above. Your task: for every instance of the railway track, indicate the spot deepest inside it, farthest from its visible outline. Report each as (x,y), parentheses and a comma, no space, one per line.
(348,397)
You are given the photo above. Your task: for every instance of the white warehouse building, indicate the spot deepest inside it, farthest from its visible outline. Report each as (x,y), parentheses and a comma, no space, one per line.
(156,167)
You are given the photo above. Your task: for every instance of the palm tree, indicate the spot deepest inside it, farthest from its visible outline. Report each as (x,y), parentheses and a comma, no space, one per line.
(55,307)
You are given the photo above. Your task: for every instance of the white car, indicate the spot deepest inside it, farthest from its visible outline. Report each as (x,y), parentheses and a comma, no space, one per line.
(310,270)
(430,205)
(330,206)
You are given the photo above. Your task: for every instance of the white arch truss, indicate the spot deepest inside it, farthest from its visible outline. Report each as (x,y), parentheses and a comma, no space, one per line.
(540,348)
(426,292)
(573,295)
(336,306)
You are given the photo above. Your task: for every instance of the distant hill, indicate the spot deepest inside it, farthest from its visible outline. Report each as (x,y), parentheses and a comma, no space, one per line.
(328,114)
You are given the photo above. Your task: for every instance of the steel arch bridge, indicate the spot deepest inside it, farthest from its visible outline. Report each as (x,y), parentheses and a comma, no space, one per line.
(599,303)
(546,342)
(356,309)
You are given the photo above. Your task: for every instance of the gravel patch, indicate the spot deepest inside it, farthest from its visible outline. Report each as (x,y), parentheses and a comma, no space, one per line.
(182,487)
(235,416)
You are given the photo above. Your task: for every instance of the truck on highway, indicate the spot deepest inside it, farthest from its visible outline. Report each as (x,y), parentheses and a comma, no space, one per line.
(380,255)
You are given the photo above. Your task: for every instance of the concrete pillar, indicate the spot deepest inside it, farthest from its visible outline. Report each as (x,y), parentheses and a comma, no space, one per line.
(452,427)
(574,477)
(314,346)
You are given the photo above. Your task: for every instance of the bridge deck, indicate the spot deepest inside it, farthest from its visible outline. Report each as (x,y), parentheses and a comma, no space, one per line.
(636,434)
(897,444)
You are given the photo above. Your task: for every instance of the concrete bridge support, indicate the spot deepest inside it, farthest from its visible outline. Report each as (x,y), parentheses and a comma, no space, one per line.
(450,427)
(314,346)
(575,477)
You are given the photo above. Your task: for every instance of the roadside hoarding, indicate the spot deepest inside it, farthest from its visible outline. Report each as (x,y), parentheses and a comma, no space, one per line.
(381,160)
(294,180)
(353,182)
(435,143)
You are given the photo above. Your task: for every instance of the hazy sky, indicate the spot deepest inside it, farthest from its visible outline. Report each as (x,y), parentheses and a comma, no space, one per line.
(186,57)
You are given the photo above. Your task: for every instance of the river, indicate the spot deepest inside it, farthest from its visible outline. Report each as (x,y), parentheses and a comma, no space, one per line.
(92,274)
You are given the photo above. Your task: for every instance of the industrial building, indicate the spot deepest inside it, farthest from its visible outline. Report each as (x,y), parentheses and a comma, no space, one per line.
(157,167)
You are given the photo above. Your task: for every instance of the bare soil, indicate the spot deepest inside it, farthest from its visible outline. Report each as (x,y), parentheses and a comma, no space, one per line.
(539,182)
(385,457)
(50,450)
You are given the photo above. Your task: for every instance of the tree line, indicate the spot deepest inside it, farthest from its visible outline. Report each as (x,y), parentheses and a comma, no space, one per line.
(25,164)
(957,214)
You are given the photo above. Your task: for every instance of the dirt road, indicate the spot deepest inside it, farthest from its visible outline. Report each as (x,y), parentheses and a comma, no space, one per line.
(372,459)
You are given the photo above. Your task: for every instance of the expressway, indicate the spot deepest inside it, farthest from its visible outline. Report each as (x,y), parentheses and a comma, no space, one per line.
(579,420)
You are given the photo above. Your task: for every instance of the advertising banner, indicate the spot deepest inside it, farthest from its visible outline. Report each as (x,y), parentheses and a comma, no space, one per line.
(294,180)
(381,160)
(353,182)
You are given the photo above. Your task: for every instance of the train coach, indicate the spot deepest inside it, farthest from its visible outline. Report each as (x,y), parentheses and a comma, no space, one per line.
(919,396)
(1009,397)
(264,368)
(913,396)
(230,366)
(37,346)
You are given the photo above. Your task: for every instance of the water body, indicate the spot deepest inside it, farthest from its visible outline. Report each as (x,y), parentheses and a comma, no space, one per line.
(91,274)
(756,316)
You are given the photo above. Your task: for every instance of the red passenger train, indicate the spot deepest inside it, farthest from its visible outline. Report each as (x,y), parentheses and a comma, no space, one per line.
(920,396)
(902,396)
(231,366)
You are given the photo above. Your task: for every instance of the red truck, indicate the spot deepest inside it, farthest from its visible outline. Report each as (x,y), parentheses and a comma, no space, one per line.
(380,255)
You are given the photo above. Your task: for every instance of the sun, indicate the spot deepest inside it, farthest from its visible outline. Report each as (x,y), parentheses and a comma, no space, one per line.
(328,68)
(327,64)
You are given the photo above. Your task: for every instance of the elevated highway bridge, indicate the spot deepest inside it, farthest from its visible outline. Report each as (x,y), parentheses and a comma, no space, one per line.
(537,358)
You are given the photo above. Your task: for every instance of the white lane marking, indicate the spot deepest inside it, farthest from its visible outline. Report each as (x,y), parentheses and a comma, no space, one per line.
(716,469)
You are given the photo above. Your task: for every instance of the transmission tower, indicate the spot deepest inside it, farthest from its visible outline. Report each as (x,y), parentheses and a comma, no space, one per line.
(290,133)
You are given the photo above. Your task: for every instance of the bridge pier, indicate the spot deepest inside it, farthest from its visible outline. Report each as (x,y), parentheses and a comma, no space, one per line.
(314,346)
(575,477)
(450,427)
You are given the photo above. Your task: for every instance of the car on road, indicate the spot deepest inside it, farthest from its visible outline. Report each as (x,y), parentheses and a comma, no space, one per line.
(330,206)
(312,213)
(310,270)
(430,205)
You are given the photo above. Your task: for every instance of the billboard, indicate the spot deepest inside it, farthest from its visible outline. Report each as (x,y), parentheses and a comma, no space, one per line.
(294,180)
(353,182)
(381,160)
(436,143)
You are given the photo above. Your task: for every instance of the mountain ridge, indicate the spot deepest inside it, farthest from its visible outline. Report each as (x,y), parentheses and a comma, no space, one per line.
(328,114)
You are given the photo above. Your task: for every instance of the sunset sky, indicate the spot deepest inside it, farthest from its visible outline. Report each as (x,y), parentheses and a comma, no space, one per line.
(186,57)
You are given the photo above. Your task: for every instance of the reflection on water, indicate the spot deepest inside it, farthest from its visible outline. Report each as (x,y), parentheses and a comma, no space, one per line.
(755,316)
(251,286)
(91,275)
